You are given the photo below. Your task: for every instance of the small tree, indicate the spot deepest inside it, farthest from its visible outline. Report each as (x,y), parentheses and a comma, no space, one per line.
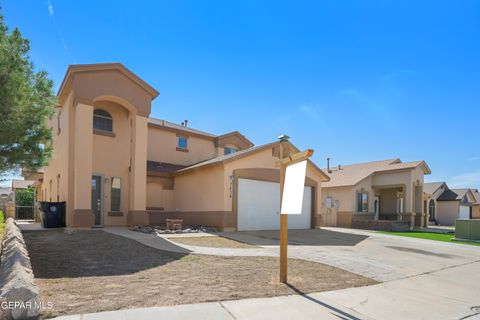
(25,197)
(26,105)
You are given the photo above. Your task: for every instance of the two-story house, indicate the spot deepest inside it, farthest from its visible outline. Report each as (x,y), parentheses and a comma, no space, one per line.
(115,165)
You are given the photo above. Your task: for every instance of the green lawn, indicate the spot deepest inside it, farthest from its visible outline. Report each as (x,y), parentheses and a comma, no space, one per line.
(430,236)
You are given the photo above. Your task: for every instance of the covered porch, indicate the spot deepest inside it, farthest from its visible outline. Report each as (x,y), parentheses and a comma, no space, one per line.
(395,208)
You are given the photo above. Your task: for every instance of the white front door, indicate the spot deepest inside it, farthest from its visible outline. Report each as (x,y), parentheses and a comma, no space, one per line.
(464,212)
(258,206)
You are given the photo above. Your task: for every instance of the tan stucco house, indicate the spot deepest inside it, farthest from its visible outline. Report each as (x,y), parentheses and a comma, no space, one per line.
(446,205)
(374,191)
(115,165)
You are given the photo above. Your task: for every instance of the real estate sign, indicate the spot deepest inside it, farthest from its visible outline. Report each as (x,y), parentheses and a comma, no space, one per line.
(292,199)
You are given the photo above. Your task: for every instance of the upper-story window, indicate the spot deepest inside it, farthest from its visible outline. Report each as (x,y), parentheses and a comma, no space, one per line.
(182,143)
(102,120)
(229,150)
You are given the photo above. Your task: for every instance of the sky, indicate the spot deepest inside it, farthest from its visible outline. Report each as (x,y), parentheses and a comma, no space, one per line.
(354,80)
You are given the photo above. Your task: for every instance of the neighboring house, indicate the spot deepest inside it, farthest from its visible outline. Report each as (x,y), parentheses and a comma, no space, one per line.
(21,184)
(379,190)
(432,191)
(476,205)
(454,204)
(114,165)
(445,205)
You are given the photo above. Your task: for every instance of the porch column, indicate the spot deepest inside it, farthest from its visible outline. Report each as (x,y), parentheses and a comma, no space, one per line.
(408,212)
(82,166)
(137,213)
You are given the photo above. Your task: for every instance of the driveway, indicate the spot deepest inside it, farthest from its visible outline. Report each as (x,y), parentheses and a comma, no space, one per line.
(374,255)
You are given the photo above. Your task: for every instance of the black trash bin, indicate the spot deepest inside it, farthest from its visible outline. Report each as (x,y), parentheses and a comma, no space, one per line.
(53,214)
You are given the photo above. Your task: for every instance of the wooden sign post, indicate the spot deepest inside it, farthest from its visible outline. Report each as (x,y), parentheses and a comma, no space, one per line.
(284,162)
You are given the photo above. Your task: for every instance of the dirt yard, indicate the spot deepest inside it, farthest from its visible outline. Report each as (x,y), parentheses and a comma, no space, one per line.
(212,241)
(92,271)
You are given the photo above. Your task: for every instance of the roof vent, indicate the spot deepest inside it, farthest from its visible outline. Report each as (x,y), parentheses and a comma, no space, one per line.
(328,166)
(185,123)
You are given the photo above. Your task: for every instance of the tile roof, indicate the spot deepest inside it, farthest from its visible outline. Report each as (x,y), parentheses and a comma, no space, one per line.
(229,156)
(453,194)
(168,124)
(350,175)
(242,153)
(162,167)
(476,195)
(431,187)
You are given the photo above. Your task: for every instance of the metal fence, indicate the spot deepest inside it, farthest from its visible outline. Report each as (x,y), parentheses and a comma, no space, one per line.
(24,212)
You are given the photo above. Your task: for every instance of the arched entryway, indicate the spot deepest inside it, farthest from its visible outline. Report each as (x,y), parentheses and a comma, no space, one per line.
(431,210)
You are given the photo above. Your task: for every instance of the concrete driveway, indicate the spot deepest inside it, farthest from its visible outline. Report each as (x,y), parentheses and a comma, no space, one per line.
(377,256)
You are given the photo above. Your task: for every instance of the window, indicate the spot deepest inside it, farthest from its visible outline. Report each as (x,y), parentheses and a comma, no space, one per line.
(182,143)
(362,202)
(59,114)
(102,120)
(229,150)
(58,188)
(115,195)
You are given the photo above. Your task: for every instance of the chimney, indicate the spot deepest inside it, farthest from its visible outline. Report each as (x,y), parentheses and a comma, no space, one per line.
(328,165)
(339,167)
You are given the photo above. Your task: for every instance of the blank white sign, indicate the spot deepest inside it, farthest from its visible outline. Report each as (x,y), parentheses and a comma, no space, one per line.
(293,188)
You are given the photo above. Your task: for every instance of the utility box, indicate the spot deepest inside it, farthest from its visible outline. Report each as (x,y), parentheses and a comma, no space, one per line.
(467,229)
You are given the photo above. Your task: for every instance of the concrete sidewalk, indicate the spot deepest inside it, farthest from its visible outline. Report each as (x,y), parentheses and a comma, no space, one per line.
(284,307)
(451,293)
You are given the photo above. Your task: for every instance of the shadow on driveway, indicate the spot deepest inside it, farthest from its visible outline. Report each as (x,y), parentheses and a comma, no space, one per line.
(308,237)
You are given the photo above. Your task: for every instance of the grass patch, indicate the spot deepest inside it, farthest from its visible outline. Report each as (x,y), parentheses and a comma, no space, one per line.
(431,236)
(2,224)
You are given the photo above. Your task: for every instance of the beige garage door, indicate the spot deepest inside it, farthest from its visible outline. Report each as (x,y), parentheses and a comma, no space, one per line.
(259,206)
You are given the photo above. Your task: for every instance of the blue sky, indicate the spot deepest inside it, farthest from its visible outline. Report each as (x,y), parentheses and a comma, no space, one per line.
(354,80)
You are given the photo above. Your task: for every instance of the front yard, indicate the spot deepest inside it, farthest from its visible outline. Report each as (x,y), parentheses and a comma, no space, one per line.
(90,271)
(431,236)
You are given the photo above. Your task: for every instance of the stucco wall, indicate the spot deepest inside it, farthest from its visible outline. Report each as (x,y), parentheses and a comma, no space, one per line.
(200,190)
(111,158)
(158,196)
(447,212)
(162,147)
(342,194)
(58,164)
